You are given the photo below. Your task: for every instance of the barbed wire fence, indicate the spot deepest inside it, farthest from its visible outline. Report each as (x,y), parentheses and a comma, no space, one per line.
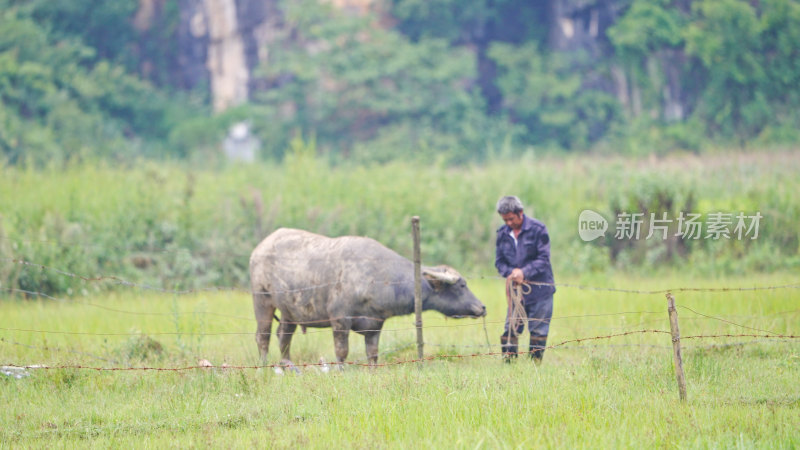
(754,334)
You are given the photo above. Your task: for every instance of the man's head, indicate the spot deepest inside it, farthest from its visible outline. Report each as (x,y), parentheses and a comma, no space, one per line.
(510,209)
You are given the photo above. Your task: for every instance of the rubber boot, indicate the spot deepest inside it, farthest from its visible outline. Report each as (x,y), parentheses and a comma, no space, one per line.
(510,347)
(536,348)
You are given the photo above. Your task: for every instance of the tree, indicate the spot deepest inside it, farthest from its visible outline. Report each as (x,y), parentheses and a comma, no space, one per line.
(547,95)
(646,40)
(360,87)
(60,102)
(780,23)
(725,37)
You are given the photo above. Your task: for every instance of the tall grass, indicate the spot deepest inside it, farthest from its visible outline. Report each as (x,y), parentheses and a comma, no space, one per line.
(170,226)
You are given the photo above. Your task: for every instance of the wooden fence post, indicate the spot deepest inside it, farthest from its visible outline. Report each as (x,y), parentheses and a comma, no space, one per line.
(417,284)
(676,345)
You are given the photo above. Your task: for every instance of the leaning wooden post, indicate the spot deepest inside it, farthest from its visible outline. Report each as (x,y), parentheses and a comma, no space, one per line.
(417,284)
(676,345)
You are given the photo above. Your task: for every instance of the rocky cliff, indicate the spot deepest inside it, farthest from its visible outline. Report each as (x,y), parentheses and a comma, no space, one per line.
(221,42)
(225,40)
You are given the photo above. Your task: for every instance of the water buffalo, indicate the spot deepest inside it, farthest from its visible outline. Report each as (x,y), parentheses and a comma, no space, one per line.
(347,283)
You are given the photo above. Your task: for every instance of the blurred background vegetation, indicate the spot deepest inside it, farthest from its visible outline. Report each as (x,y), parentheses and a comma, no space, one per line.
(167,226)
(381,80)
(113,116)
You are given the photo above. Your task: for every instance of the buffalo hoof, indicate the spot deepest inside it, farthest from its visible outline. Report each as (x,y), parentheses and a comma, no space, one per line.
(289,366)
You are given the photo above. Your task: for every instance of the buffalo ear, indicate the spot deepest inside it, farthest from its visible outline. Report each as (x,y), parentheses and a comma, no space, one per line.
(435,283)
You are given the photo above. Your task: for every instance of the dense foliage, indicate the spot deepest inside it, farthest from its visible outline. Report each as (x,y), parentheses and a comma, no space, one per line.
(741,69)
(67,88)
(372,92)
(462,80)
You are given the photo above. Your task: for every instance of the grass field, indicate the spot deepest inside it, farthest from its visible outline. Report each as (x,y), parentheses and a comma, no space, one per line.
(607,381)
(621,391)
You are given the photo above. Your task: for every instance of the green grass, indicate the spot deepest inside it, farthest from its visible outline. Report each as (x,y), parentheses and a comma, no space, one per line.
(620,392)
(170,227)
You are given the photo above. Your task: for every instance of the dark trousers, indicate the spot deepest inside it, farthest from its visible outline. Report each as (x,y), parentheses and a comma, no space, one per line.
(539,312)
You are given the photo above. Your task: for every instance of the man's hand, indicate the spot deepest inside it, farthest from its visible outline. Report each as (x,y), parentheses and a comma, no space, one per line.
(517,276)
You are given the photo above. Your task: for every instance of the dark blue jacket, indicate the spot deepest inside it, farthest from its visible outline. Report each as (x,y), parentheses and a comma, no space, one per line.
(531,254)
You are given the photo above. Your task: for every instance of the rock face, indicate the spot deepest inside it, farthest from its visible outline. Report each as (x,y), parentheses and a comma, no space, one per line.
(220,45)
(221,42)
(192,36)
(580,24)
(227,65)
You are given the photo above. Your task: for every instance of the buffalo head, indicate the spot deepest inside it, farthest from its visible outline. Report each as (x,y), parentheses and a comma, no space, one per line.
(448,293)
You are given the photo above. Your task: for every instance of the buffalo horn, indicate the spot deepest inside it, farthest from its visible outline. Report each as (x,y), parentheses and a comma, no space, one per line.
(443,274)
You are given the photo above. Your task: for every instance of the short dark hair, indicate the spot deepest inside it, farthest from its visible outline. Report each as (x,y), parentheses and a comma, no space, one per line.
(509,204)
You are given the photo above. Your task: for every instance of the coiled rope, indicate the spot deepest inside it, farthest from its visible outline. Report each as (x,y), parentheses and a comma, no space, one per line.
(516,310)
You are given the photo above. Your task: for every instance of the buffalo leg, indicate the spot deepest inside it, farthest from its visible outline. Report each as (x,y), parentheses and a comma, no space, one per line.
(371,343)
(264,313)
(341,335)
(263,331)
(285,333)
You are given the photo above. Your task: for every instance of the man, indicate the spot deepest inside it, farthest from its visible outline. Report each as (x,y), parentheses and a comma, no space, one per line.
(523,255)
